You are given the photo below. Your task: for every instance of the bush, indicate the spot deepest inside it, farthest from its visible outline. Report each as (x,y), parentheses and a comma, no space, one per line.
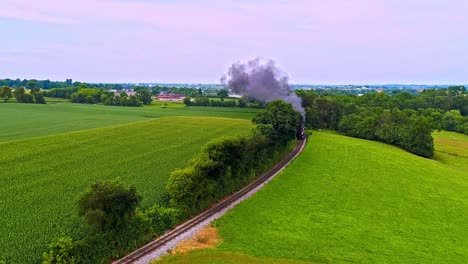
(39,98)
(108,205)
(60,252)
(187,101)
(163,218)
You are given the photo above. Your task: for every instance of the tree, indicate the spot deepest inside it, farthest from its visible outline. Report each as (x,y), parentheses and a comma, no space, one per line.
(39,98)
(145,96)
(132,100)
(34,90)
(5,93)
(451,120)
(32,84)
(419,139)
(284,120)
(223,93)
(36,93)
(19,93)
(187,101)
(107,205)
(22,97)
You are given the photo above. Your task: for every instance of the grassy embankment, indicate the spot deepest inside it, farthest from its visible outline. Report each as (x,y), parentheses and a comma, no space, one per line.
(350,200)
(451,148)
(21,121)
(42,176)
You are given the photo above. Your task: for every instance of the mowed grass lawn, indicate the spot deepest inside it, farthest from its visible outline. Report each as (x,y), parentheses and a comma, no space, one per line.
(451,149)
(42,177)
(20,121)
(351,200)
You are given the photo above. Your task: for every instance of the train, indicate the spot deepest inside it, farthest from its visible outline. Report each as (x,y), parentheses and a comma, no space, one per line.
(301,134)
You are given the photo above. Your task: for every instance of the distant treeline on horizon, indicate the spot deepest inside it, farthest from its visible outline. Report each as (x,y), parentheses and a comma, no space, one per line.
(324,88)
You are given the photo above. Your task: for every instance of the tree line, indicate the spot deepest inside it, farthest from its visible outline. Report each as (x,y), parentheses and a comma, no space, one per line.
(48,84)
(85,95)
(402,119)
(34,96)
(115,224)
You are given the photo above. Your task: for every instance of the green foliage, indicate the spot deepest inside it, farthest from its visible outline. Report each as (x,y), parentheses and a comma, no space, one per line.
(418,139)
(5,93)
(163,218)
(103,247)
(225,165)
(326,110)
(108,205)
(188,101)
(122,100)
(60,252)
(39,98)
(284,121)
(87,95)
(222,167)
(351,200)
(391,126)
(62,92)
(223,93)
(144,95)
(454,121)
(19,93)
(201,101)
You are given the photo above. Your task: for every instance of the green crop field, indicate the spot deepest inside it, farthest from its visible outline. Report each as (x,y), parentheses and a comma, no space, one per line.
(451,149)
(19,121)
(351,200)
(41,177)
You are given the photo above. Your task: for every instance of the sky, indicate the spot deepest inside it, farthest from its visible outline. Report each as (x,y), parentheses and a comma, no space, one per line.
(314,41)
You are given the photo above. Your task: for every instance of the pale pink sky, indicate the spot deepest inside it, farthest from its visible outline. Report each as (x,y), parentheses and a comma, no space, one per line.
(341,42)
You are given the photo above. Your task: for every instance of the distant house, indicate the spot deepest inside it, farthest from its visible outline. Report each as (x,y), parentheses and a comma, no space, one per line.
(170,97)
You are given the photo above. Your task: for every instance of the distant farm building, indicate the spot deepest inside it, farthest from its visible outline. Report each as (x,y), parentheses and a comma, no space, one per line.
(170,97)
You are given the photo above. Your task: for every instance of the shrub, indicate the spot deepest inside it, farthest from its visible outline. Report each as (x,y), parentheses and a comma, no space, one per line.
(163,218)
(60,252)
(107,205)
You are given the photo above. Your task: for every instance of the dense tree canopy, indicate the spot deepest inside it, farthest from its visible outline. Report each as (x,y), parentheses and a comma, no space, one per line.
(279,122)
(107,205)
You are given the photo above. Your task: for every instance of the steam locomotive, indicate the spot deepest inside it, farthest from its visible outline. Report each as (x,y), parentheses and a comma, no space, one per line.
(301,135)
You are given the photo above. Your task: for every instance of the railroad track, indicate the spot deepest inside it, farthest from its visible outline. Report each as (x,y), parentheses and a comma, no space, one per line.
(227,202)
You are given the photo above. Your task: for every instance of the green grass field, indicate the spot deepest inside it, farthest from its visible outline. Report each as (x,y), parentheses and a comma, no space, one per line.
(20,121)
(41,177)
(451,149)
(351,200)
(210,256)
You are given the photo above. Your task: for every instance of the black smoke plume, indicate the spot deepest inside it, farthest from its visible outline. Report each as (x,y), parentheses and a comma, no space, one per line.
(262,80)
